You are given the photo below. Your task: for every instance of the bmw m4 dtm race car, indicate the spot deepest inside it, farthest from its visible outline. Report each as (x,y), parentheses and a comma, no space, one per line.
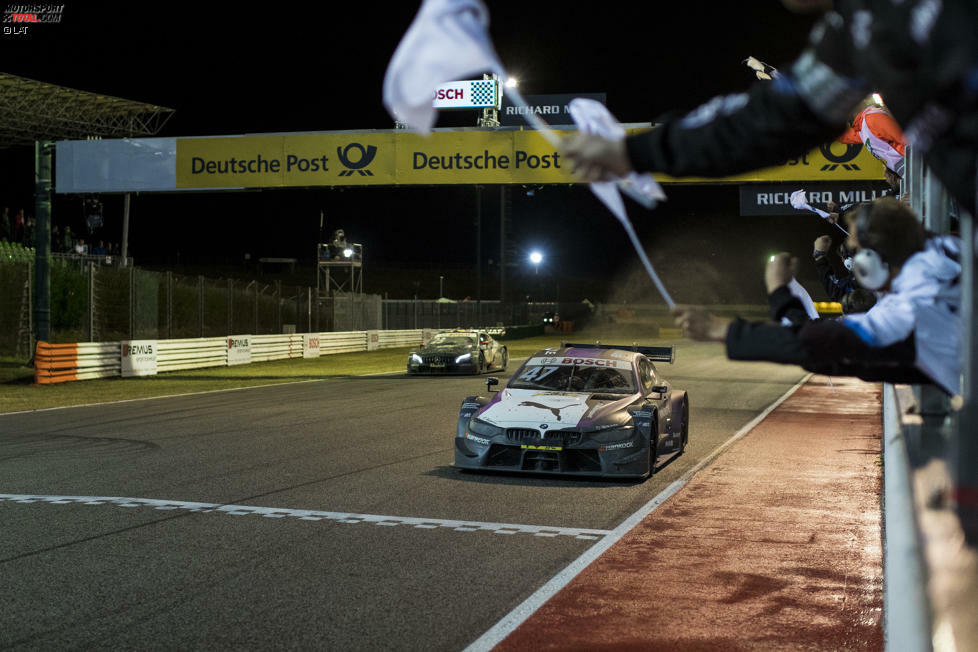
(466,351)
(581,409)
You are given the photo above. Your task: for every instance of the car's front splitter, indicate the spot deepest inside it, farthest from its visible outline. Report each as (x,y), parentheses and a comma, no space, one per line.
(588,459)
(446,370)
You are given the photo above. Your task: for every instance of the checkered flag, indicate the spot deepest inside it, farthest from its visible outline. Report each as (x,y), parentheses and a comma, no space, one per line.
(483,93)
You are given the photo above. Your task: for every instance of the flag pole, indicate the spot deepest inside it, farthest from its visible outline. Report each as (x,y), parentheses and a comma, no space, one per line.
(630,230)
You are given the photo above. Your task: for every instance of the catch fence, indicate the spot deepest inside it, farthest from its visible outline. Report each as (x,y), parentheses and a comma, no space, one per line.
(96,302)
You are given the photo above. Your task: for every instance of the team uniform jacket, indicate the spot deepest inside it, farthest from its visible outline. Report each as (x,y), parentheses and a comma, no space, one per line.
(835,286)
(921,55)
(912,335)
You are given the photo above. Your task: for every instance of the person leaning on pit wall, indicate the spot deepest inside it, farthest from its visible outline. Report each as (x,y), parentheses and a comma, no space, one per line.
(912,334)
(921,55)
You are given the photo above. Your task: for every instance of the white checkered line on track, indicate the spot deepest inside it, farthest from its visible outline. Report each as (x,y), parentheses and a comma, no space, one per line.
(312,515)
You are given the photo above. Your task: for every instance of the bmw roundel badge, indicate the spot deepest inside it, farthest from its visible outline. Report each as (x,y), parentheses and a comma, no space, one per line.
(543,426)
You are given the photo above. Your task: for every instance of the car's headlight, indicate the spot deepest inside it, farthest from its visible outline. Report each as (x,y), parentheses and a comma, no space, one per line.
(614,433)
(463,358)
(416,358)
(485,429)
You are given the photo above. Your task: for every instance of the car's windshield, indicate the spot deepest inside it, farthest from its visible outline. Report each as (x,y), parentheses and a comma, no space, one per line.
(451,340)
(576,377)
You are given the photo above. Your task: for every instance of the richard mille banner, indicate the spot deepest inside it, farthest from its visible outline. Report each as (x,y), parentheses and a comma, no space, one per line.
(375,158)
(774,198)
(551,108)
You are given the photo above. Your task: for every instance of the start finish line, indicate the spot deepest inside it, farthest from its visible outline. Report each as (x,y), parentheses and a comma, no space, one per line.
(376,158)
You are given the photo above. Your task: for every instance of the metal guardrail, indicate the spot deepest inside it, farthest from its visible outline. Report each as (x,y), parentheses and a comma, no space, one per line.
(58,363)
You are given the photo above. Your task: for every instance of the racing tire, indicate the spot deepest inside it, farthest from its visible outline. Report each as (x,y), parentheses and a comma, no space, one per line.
(481,369)
(653,446)
(684,433)
(505,360)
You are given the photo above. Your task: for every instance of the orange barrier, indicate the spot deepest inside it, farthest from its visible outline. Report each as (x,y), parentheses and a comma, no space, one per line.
(62,363)
(55,363)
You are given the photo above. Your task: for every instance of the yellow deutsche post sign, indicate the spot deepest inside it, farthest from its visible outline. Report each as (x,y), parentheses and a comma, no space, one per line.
(478,156)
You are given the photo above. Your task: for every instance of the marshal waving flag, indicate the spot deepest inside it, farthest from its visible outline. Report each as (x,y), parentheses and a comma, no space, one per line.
(448,40)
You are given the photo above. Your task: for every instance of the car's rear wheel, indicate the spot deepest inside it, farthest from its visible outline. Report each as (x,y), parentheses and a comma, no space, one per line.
(482,364)
(653,445)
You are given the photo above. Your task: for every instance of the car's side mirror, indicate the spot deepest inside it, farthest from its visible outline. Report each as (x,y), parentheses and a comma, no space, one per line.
(491,382)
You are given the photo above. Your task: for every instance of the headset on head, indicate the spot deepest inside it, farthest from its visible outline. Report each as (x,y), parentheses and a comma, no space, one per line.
(869,267)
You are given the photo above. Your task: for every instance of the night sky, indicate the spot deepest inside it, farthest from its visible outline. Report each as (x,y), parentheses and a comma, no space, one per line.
(299,67)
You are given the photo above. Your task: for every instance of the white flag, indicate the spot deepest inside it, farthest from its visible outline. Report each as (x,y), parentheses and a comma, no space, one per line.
(800,202)
(448,40)
(798,290)
(592,117)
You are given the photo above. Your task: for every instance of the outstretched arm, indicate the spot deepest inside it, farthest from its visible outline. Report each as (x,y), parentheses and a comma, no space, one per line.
(777,120)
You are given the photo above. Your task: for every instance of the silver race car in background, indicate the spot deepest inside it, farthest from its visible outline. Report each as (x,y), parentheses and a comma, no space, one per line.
(465,351)
(580,409)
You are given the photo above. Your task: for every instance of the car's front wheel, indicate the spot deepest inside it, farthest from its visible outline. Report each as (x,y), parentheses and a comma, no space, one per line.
(653,446)
(684,433)
(481,369)
(505,359)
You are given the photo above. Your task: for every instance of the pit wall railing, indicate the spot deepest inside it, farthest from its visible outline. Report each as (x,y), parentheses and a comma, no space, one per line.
(59,363)
(930,468)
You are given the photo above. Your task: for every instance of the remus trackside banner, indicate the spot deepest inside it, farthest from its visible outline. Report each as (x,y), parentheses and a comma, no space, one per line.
(385,158)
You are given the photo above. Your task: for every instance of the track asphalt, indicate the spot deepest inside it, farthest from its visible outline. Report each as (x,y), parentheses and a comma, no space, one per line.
(776,545)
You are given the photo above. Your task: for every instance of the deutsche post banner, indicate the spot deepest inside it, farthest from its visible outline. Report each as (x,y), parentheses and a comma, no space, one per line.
(446,157)
(383,158)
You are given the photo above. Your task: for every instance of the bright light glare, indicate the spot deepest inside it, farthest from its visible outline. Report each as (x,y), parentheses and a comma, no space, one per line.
(878,98)
(536,257)
(512,82)
(771,259)
(348,252)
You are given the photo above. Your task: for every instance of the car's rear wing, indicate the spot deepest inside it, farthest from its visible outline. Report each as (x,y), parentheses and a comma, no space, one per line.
(653,353)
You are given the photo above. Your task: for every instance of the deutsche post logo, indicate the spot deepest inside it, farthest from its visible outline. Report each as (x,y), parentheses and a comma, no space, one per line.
(358,162)
(835,160)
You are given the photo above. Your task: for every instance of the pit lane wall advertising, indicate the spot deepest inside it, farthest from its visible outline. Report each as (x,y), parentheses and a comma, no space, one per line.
(384,158)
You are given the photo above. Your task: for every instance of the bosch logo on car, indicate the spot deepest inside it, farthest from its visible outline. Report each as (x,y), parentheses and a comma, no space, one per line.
(588,362)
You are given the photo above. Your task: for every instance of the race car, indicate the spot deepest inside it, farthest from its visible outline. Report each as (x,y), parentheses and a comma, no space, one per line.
(580,409)
(465,351)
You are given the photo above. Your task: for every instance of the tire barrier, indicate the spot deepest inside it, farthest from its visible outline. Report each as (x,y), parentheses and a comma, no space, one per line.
(61,363)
